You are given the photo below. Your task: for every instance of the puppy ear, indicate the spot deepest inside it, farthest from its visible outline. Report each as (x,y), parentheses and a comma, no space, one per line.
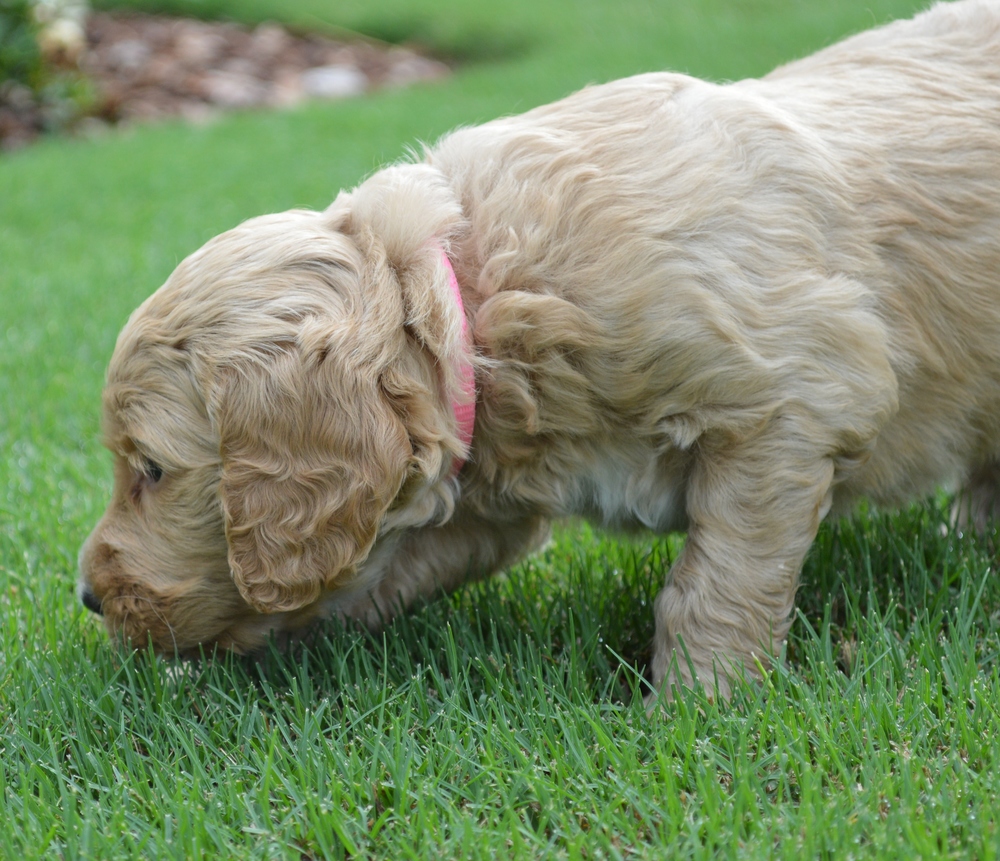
(312,457)
(404,206)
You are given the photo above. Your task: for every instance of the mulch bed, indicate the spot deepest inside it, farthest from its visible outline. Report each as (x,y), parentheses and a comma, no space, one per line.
(148,67)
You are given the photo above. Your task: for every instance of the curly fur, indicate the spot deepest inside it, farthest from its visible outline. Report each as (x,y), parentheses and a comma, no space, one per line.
(725,309)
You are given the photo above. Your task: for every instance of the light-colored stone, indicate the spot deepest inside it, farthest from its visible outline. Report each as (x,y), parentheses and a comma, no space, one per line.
(128,55)
(233,90)
(198,46)
(334,82)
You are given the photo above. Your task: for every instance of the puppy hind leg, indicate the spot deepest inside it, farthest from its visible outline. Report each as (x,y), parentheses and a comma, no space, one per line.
(978,503)
(754,509)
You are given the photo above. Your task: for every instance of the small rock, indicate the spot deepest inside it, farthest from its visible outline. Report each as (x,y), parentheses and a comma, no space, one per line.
(17,96)
(334,82)
(233,90)
(286,89)
(198,46)
(241,66)
(162,70)
(269,41)
(128,55)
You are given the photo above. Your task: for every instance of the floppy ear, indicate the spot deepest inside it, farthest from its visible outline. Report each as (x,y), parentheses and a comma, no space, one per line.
(312,457)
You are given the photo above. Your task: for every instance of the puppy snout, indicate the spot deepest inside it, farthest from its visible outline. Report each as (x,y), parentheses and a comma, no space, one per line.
(91,602)
(98,565)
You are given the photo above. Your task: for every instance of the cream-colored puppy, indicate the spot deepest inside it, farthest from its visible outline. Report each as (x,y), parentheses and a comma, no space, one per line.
(725,309)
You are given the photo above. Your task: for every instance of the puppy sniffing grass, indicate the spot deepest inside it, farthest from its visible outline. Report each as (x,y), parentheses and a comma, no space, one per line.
(659,303)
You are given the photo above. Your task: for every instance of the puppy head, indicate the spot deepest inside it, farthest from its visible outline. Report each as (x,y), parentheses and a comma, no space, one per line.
(277,403)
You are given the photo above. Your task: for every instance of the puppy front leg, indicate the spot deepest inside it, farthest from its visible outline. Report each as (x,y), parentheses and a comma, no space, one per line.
(427,560)
(754,507)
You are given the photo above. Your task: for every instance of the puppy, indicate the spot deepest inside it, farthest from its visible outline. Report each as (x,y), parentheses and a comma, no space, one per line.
(669,305)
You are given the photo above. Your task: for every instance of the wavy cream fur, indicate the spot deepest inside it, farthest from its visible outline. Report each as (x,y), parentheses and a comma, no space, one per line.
(728,309)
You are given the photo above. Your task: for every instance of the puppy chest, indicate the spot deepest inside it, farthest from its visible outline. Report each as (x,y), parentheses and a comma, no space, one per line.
(631,490)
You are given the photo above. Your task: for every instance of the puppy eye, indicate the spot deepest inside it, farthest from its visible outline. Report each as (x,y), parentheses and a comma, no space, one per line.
(153,470)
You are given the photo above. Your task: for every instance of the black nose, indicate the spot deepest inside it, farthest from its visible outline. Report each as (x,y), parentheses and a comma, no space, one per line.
(90,602)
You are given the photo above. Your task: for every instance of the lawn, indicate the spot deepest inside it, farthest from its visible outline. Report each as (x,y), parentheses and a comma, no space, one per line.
(506,720)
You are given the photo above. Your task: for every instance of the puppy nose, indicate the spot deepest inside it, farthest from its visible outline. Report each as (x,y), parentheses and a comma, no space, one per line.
(90,601)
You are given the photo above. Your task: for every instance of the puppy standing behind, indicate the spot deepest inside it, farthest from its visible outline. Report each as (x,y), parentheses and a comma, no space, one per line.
(725,309)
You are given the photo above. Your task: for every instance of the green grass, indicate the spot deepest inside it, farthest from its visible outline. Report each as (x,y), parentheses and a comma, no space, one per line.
(504,721)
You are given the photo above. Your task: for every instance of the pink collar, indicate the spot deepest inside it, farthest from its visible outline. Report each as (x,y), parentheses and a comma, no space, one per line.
(464,410)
